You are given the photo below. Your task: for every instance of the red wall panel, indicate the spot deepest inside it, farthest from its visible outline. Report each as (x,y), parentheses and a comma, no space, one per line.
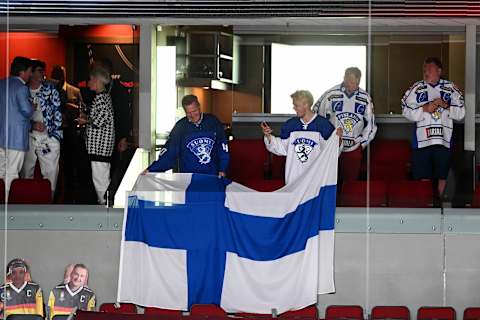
(48,47)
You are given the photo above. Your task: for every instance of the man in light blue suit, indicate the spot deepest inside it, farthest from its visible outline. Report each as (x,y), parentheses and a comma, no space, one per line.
(15,113)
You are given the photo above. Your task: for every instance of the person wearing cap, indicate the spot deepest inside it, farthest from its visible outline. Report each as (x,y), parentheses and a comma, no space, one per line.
(19,296)
(67,297)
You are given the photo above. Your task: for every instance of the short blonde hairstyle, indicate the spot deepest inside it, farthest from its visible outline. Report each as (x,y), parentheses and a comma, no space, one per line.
(303,95)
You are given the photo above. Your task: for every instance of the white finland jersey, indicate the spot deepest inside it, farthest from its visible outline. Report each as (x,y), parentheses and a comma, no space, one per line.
(300,147)
(433,128)
(354,114)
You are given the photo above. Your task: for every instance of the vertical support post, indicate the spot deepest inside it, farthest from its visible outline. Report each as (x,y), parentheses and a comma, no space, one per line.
(147,96)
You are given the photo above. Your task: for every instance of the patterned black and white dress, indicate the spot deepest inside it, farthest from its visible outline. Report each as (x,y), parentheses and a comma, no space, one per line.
(100,131)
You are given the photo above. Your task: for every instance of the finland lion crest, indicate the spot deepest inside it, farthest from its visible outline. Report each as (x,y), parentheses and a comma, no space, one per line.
(201,147)
(303,147)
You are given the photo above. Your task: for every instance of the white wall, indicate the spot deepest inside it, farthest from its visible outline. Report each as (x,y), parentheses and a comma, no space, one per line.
(403,269)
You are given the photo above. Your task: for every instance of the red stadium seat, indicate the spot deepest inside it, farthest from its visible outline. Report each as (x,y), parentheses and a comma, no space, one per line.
(438,313)
(37,172)
(207,310)
(390,312)
(410,194)
(354,194)
(162,312)
(390,160)
(248,160)
(476,197)
(2,191)
(344,312)
(277,167)
(30,191)
(251,316)
(128,308)
(310,312)
(471,313)
(385,151)
(264,185)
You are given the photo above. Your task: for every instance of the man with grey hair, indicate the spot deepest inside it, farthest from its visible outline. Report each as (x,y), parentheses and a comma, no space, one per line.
(197,142)
(100,133)
(348,106)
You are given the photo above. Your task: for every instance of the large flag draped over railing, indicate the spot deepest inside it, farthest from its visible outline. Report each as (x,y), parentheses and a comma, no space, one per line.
(190,239)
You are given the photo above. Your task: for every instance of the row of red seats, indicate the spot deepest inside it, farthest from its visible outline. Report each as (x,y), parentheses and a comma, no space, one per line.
(311,312)
(27,191)
(250,161)
(395,193)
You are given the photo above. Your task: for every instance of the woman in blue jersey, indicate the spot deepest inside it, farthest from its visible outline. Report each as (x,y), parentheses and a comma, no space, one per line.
(197,141)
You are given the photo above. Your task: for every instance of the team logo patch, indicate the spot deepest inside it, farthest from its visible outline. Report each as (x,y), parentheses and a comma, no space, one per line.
(435,132)
(360,108)
(422,96)
(337,105)
(348,143)
(303,147)
(437,114)
(201,147)
(348,121)
(446,96)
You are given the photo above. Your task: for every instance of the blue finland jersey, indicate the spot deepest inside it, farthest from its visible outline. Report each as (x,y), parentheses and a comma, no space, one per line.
(317,124)
(201,148)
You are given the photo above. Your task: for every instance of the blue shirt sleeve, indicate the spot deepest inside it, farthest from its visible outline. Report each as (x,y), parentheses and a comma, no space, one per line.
(285,130)
(25,107)
(169,153)
(326,128)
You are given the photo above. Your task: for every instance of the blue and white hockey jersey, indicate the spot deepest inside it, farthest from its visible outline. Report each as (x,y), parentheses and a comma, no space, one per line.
(433,128)
(201,147)
(300,141)
(354,114)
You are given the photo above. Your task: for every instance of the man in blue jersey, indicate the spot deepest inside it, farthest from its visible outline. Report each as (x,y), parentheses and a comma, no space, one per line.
(300,136)
(197,141)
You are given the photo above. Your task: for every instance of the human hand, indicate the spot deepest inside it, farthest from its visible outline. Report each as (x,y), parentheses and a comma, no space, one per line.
(144,172)
(267,131)
(122,145)
(429,107)
(221,174)
(81,121)
(339,132)
(38,126)
(442,103)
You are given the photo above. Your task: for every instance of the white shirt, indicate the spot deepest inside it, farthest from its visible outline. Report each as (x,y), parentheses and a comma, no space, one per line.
(37,113)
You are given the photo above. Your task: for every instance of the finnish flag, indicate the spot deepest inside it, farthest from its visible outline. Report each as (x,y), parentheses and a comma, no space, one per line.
(197,239)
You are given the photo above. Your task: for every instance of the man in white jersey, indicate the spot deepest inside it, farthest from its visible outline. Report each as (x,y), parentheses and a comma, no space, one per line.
(433,103)
(348,106)
(302,137)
